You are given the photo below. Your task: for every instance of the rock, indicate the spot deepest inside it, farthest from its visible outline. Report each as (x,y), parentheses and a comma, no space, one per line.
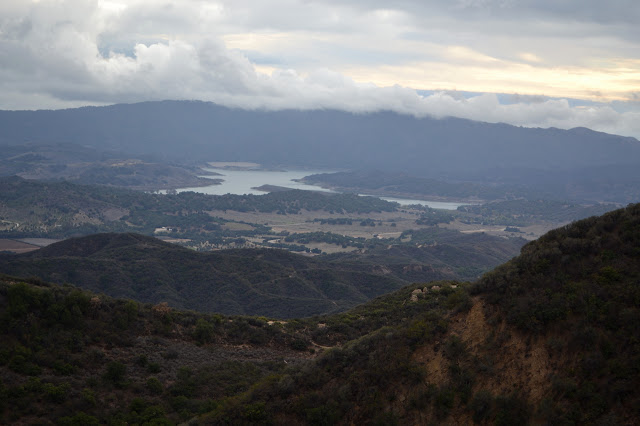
(414,294)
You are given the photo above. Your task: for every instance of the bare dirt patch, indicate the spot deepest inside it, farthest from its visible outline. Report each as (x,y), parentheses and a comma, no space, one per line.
(522,364)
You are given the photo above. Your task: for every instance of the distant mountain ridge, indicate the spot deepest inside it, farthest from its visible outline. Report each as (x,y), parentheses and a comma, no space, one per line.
(197,131)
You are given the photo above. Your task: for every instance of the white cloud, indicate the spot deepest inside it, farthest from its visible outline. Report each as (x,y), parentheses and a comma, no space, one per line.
(320,55)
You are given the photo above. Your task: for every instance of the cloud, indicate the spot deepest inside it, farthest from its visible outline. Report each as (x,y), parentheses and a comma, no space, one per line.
(71,53)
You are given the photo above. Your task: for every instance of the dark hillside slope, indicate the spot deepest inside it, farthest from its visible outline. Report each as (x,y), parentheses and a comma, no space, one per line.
(551,337)
(70,357)
(579,287)
(466,256)
(244,281)
(586,268)
(269,282)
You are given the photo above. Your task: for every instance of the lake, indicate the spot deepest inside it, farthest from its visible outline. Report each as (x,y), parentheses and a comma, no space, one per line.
(445,205)
(243,181)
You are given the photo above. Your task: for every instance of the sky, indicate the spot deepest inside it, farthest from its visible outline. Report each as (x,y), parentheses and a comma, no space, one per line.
(533,63)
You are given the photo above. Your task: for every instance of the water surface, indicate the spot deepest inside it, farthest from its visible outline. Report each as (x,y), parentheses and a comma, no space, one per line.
(243,181)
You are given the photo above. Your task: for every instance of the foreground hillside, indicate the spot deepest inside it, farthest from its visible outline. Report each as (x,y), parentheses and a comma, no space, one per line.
(74,358)
(550,337)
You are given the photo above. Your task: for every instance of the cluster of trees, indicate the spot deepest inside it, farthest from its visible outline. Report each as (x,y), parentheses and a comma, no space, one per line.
(335,221)
(433,217)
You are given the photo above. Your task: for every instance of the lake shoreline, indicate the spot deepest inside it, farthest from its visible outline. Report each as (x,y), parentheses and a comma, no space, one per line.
(401,195)
(251,178)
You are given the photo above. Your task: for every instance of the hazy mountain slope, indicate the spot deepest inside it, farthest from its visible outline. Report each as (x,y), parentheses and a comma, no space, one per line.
(95,165)
(607,182)
(401,184)
(426,147)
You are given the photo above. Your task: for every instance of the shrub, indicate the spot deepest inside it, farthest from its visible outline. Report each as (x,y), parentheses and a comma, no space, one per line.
(20,364)
(170,354)
(481,405)
(154,386)
(299,345)
(142,361)
(327,414)
(63,368)
(204,331)
(459,301)
(455,348)
(511,410)
(89,396)
(153,368)
(56,393)
(115,373)
(444,401)
(78,419)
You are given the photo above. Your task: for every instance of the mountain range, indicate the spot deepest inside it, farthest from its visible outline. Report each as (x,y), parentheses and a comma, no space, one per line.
(449,148)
